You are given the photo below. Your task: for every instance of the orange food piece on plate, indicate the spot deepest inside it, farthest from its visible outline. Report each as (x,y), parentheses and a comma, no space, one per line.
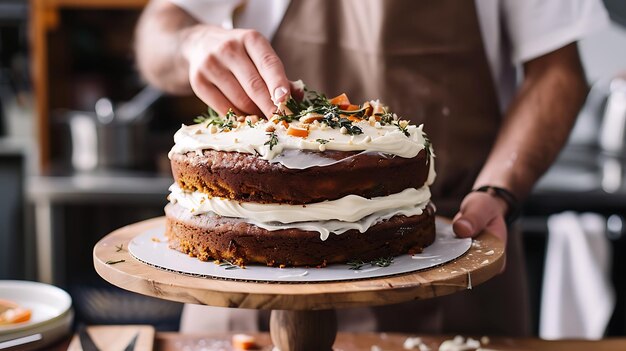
(352,107)
(354,119)
(11,313)
(297,131)
(243,342)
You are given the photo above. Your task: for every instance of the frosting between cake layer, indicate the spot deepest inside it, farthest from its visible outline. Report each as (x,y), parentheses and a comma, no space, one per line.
(339,227)
(253,139)
(337,216)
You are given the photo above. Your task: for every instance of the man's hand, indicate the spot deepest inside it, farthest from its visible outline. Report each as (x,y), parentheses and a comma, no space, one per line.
(225,68)
(234,68)
(481,211)
(534,129)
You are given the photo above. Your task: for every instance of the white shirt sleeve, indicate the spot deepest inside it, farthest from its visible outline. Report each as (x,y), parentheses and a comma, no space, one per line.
(537,27)
(216,12)
(262,15)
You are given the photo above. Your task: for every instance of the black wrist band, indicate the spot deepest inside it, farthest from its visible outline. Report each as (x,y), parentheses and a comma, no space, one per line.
(514,210)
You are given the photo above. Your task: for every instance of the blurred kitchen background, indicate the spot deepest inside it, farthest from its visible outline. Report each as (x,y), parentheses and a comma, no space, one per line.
(83,151)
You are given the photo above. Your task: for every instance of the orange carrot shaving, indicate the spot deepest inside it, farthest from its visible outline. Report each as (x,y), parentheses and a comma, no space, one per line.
(298,131)
(341,100)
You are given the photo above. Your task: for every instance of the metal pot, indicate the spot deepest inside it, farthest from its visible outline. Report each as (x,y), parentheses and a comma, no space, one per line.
(112,138)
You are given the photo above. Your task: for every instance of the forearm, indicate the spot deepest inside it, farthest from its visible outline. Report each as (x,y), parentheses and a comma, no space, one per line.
(159,36)
(537,123)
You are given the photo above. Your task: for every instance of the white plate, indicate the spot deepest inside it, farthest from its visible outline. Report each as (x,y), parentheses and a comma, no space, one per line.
(47,303)
(151,247)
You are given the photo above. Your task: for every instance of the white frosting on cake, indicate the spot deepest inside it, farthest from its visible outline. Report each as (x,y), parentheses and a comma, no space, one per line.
(336,216)
(253,139)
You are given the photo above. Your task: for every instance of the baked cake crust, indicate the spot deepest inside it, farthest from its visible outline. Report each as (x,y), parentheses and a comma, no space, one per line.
(246,177)
(211,237)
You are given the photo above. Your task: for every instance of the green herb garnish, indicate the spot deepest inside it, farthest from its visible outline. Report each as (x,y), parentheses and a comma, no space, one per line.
(226,125)
(403,127)
(119,247)
(273,140)
(231,114)
(212,118)
(322,141)
(228,265)
(382,262)
(356,265)
(249,122)
(114,262)
(209,116)
(314,102)
(379,262)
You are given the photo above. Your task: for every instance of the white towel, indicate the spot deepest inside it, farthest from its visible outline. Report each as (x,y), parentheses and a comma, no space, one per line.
(578,297)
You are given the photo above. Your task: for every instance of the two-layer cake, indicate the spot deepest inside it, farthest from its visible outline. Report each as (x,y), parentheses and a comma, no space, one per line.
(323,181)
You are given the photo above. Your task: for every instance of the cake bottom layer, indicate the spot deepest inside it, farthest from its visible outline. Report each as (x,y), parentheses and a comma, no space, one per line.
(212,237)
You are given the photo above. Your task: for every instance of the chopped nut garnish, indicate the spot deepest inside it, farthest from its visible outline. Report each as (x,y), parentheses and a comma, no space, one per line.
(343,130)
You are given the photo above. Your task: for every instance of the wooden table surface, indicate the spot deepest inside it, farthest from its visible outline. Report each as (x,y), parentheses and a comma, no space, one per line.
(392,342)
(168,341)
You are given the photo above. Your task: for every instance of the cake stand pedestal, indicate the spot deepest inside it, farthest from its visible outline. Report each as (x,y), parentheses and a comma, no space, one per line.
(303,316)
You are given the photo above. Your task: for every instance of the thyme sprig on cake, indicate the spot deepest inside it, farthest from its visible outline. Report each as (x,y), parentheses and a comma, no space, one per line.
(272,141)
(212,118)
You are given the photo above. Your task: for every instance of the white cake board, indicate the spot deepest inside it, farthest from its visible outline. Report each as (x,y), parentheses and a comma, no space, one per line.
(151,247)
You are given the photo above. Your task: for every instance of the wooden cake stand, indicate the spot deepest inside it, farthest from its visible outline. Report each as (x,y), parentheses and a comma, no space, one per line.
(303,316)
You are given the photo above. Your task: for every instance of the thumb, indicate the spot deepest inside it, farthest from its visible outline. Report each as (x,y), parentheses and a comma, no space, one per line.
(477,211)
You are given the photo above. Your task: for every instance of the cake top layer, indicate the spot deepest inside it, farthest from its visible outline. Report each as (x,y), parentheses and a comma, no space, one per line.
(311,122)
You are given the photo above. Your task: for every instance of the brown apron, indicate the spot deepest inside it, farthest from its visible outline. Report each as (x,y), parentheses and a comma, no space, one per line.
(425,59)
